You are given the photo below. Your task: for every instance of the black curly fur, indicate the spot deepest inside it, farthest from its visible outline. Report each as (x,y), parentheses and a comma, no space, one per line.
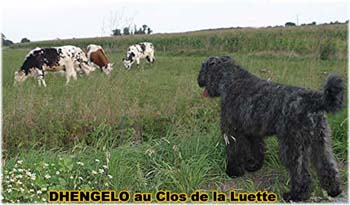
(252,108)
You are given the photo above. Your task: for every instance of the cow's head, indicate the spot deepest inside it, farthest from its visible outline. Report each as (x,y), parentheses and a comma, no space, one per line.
(129,60)
(20,77)
(108,69)
(84,68)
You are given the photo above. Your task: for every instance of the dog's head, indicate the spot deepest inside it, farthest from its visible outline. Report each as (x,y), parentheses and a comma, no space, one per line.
(211,74)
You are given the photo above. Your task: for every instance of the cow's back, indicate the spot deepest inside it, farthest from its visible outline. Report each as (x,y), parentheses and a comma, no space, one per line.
(39,57)
(99,58)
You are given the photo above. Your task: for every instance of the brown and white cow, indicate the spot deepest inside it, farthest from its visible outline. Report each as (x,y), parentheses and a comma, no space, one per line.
(97,56)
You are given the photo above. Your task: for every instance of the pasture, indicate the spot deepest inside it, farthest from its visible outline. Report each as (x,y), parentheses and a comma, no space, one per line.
(149,128)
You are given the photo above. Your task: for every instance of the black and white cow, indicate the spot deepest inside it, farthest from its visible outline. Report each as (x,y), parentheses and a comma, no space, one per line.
(137,52)
(40,60)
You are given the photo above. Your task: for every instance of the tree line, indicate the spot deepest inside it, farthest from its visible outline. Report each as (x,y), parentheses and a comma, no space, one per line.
(144,29)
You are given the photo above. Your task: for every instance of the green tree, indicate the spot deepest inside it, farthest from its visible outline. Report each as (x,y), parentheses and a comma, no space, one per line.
(117,32)
(25,40)
(126,31)
(290,24)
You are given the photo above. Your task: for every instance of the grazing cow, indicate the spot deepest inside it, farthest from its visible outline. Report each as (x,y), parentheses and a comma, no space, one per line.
(97,56)
(137,52)
(39,60)
(80,60)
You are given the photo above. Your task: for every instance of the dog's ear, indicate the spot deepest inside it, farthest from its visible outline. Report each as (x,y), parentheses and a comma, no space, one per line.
(225,59)
(213,61)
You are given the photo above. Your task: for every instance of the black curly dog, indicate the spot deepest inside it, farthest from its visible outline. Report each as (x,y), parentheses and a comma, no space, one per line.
(252,108)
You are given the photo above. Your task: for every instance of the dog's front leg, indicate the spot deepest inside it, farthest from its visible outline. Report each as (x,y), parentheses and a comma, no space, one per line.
(256,156)
(235,153)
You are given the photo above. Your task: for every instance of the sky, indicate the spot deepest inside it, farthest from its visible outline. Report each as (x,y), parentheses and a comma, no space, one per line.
(52,19)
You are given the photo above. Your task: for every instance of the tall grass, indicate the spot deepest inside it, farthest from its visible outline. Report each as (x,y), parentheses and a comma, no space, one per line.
(307,40)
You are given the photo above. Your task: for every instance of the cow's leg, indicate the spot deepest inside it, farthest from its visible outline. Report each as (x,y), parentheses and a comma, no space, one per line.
(40,77)
(152,57)
(70,71)
(137,61)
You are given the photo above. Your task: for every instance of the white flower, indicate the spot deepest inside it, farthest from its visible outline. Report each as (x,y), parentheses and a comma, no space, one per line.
(9,190)
(101,171)
(38,192)
(9,185)
(81,178)
(45,165)
(71,177)
(19,182)
(110,176)
(14,170)
(12,180)
(106,184)
(60,158)
(105,166)
(31,190)
(47,176)
(43,199)
(80,163)
(33,177)
(44,189)
(97,160)
(20,170)
(94,172)
(57,172)
(19,176)
(20,161)
(21,189)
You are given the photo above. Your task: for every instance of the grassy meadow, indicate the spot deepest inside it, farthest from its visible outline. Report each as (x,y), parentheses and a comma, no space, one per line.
(149,128)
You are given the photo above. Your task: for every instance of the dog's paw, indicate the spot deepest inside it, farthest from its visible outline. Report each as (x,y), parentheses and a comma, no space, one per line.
(252,165)
(295,197)
(235,172)
(290,196)
(335,192)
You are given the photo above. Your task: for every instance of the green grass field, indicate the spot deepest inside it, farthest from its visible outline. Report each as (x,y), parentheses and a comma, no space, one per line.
(149,128)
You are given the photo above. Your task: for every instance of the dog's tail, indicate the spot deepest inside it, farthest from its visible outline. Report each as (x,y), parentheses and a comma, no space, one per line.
(333,94)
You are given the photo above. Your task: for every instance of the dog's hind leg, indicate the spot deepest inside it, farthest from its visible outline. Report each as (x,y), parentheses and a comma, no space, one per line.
(295,155)
(324,161)
(255,159)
